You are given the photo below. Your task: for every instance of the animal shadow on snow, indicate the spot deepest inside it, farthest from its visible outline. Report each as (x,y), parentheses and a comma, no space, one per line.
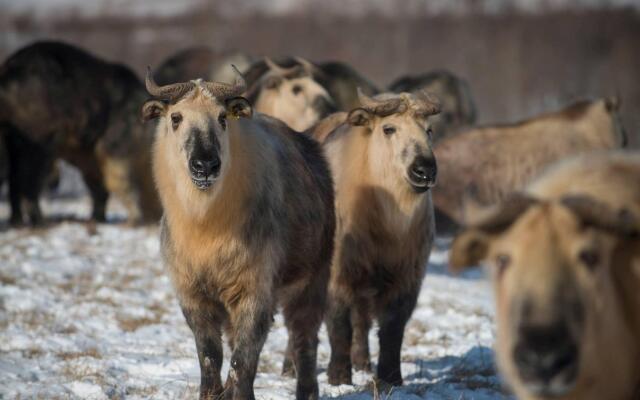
(469,376)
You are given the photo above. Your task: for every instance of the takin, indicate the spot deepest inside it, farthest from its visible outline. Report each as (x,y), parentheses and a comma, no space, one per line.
(340,80)
(57,101)
(290,94)
(458,106)
(484,165)
(201,63)
(383,168)
(248,225)
(564,257)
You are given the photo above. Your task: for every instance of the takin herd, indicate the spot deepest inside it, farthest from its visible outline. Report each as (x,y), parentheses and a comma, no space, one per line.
(303,187)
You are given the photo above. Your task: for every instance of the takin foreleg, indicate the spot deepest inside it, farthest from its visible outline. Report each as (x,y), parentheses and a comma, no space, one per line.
(250,321)
(361,322)
(303,314)
(206,327)
(340,335)
(392,319)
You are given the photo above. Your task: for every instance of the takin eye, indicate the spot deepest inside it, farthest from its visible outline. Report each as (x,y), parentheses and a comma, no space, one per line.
(502,263)
(589,258)
(296,89)
(176,118)
(389,130)
(222,120)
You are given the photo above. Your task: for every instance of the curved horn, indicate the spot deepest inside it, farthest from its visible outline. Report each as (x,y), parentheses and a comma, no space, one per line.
(280,70)
(600,215)
(171,92)
(306,65)
(381,107)
(223,91)
(498,217)
(427,102)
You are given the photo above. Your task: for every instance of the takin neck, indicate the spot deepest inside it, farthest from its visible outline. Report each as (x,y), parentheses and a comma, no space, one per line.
(396,205)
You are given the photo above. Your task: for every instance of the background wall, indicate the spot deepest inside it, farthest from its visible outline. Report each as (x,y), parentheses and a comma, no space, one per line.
(521,57)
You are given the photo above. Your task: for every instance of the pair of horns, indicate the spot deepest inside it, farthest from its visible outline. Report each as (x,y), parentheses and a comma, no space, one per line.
(307,66)
(421,102)
(175,91)
(590,211)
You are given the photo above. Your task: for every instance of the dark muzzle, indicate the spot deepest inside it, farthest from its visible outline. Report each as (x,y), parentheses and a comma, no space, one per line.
(204,171)
(422,173)
(546,358)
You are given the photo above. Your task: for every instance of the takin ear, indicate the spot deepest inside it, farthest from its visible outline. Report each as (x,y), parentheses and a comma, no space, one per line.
(472,245)
(239,107)
(359,117)
(468,249)
(153,109)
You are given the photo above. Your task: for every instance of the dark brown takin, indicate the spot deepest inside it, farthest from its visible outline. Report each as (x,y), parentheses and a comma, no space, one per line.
(58,101)
(383,168)
(248,226)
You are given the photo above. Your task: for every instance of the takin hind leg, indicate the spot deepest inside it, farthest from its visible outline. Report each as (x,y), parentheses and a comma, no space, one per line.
(303,314)
(361,321)
(206,327)
(15,195)
(393,318)
(288,368)
(29,164)
(99,195)
(340,336)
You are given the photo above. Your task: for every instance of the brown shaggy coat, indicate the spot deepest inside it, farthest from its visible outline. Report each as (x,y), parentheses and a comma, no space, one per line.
(488,163)
(565,261)
(259,237)
(384,233)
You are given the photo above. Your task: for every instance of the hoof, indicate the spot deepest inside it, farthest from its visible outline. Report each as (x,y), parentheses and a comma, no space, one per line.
(360,365)
(388,382)
(307,393)
(339,376)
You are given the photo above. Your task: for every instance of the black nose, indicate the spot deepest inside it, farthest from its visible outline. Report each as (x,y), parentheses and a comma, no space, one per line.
(423,170)
(204,168)
(543,352)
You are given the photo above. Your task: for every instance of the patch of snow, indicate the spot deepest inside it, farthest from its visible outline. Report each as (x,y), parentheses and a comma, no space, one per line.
(90,313)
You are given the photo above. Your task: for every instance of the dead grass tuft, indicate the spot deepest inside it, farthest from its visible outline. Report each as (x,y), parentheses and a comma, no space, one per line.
(71,355)
(7,280)
(133,324)
(33,352)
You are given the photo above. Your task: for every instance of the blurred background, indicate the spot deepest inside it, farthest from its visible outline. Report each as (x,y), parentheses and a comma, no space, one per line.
(520,57)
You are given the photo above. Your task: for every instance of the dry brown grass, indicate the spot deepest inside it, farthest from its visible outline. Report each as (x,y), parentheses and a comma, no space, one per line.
(33,319)
(71,355)
(133,324)
(7,280)
(33,352)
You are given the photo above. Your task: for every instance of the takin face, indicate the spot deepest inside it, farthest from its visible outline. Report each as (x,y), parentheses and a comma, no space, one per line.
(562,330)
(192,144)
(399,139)
(292,95)
(458,107)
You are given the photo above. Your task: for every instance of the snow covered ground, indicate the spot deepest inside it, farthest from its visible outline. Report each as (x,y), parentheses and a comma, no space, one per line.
(87,312)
